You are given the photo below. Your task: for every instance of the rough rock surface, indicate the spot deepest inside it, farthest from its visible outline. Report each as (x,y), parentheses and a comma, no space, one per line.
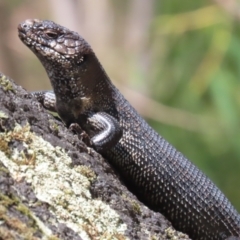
(52,186)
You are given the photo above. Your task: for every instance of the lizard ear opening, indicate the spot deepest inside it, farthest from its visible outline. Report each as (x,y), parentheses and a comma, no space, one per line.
(81,59)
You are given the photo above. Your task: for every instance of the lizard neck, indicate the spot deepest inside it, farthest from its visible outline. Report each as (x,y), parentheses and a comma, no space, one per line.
(86,87)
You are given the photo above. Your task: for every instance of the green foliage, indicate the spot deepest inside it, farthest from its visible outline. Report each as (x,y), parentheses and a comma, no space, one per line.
(196,58)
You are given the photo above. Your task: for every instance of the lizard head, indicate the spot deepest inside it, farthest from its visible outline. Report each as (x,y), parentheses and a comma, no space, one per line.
(70,63)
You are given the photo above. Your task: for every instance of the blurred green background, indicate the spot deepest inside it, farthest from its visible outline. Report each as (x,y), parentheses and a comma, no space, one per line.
(178,63)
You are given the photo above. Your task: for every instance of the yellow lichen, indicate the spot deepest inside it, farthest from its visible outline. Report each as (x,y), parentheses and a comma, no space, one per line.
(6,84)
(3,115)
(64,187)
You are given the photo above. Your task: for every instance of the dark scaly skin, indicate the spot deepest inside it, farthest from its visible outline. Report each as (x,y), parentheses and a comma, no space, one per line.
(158,174)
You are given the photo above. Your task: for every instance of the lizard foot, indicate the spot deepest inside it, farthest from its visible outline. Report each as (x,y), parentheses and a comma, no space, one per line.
(74,127)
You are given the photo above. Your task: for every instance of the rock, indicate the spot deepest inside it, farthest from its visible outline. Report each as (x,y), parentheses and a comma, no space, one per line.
(54,186)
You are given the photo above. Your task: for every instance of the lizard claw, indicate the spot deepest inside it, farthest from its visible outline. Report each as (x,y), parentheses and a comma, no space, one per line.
(74,127)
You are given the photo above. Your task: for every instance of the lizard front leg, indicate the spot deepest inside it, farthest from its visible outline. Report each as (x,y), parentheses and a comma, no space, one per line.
(105,129)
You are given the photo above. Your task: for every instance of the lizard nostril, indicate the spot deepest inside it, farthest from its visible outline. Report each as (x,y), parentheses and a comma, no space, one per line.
(24,25)
(27,24)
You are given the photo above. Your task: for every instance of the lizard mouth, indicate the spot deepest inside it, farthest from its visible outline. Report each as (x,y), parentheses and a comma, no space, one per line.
(23,38)
(23,35)
(25,31)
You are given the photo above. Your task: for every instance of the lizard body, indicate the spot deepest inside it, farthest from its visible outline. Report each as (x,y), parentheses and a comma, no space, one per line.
(159,175)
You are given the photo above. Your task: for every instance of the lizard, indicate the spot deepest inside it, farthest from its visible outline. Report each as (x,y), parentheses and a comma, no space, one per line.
(159,175)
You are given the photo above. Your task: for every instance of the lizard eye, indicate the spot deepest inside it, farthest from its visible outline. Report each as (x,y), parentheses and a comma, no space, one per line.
(51,34)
